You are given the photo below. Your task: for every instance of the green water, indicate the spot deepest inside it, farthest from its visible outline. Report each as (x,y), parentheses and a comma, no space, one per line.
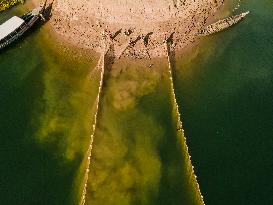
(137,157)
(224,88)
(45,103)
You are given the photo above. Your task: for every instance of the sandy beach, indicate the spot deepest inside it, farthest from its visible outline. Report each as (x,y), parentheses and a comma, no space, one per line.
(135,27)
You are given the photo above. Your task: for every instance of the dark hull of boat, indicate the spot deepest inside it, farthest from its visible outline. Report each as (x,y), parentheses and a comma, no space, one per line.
(30,20)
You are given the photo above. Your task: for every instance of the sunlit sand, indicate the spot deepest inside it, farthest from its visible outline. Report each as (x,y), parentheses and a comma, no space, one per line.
(137,27)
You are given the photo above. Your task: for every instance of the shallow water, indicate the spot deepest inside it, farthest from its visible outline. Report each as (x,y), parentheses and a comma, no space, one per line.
(224,88)
(50,96)
(137,156)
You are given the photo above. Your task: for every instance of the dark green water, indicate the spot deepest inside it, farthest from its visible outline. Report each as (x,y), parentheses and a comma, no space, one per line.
(45,102)
(225,89)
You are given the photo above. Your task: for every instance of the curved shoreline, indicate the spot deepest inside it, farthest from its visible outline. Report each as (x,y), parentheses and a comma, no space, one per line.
(75,23)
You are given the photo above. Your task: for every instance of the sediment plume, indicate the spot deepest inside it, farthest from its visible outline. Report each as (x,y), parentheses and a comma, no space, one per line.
(139,29)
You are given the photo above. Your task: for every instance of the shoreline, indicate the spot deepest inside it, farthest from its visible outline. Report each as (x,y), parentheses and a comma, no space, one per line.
(75,28)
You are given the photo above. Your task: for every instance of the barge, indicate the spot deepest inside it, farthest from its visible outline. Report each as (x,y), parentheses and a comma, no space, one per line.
(15,27)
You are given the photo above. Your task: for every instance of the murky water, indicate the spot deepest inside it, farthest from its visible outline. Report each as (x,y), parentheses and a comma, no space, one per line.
(45,108)
(50,99)
(224,88)
(137,155)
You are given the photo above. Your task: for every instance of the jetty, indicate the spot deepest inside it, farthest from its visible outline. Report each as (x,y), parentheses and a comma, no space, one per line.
(16,26)
(222,24)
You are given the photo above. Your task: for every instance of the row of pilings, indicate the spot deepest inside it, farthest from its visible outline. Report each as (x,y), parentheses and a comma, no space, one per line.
(106,59)
(101,66)
(192,179)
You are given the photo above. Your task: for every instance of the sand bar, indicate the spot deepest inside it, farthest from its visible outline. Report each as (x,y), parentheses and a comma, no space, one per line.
(137,27)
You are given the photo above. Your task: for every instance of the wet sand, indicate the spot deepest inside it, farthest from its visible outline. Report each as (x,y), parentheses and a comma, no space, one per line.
(137,28)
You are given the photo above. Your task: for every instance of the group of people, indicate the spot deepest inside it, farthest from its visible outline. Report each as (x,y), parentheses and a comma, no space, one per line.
(139,27)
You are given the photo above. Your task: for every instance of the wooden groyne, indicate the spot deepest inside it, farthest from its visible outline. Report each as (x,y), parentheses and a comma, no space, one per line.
(222,24)
(192,179)
(101,66)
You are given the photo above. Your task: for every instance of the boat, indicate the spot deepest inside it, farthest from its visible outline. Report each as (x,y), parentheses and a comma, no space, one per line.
(15,27)
(222,24)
